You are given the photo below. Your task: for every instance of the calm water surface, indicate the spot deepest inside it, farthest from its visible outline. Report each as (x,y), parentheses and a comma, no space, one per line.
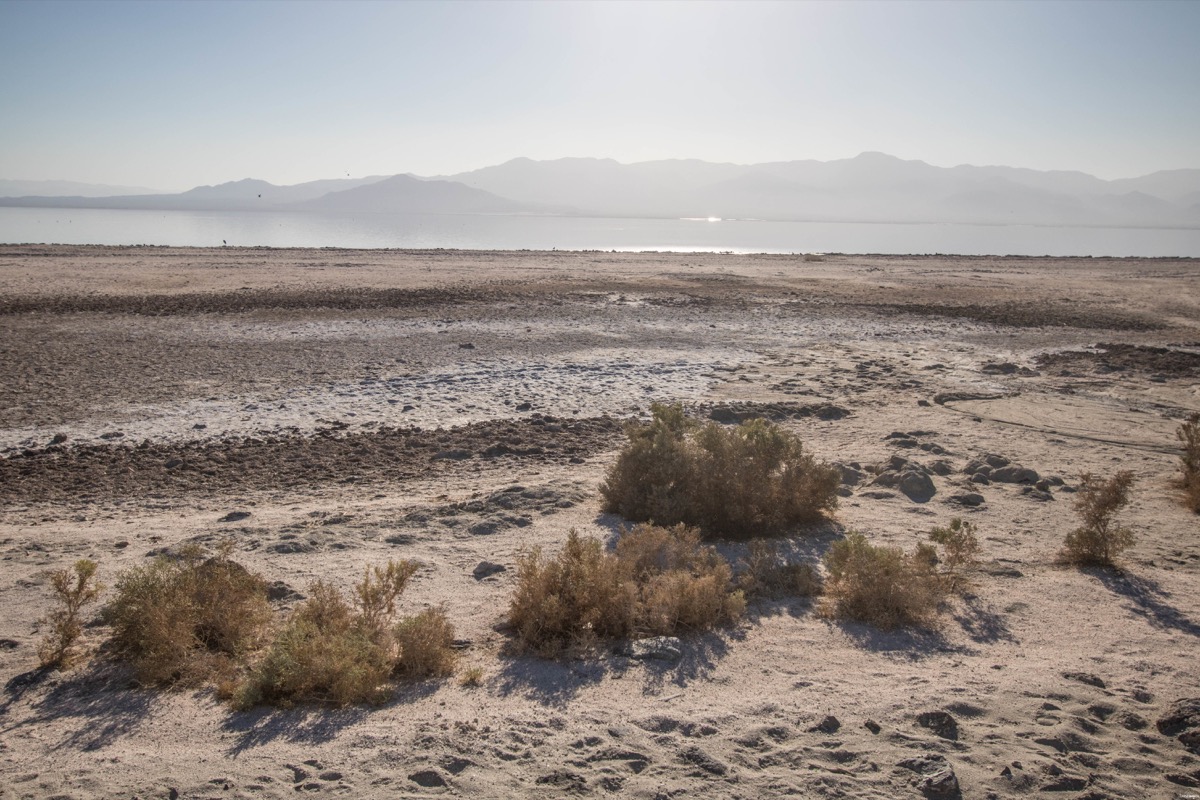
(481,232)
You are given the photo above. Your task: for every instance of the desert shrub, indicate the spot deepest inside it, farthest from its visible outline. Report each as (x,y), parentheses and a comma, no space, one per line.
(570,600)
(883,586)
(766,574)
(336,652)
(742,481)
(426,645)
(657,581)
(960,548)
(1189,435)
(73,588)
(187,620)
(325,653)
(1100,539)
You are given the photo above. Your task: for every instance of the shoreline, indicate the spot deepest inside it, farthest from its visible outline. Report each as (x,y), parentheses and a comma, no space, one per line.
(458,407)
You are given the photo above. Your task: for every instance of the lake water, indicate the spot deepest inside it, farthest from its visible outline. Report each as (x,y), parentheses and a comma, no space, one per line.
(483,232)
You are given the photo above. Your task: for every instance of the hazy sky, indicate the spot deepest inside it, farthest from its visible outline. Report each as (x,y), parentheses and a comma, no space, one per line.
(174,94)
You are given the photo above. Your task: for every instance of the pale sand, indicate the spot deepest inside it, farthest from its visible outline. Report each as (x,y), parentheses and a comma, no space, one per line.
(226,361)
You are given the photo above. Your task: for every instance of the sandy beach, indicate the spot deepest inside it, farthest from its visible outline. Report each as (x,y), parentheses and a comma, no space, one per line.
(326,410)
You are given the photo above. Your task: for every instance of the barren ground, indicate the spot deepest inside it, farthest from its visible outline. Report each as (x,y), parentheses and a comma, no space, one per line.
(455,407)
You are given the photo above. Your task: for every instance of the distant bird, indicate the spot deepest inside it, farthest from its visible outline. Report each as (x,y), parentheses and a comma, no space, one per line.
(224,242)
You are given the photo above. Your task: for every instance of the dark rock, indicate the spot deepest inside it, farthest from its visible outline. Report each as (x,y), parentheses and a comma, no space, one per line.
(1036,494)
(1132,722)
(1180,716)
(466,346)
(830,724)
(524,406)
(981,479)
(996,462)
(701,759)
(850,475)
(234,516)
(291,547)
(924,403)
(934,448)
(9,644)
(1191,781)
(1085,677)
(112,435)
(941,467)
(872,726)
(563,780)
(485,569)
(917,486)
(1191,740)
(968,499)
(1065,783)
(430,778)
(941,723)
(173,463)
(937,776)
(58,438)
(877,495)
(1014,474)
(279,591)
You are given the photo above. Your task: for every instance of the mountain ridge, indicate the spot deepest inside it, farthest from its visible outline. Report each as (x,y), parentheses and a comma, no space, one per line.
(870,187)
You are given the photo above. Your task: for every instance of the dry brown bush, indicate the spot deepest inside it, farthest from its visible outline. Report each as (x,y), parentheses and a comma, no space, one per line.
(426,645)
(1189,435)
(187,620)
(324,653)
(765,573)
(883,586)
(1100,539)
(73,588)
(330,651)
(743,481)
(658,581)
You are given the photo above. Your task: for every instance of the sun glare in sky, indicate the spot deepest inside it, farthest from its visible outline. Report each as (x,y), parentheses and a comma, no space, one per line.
(173,94)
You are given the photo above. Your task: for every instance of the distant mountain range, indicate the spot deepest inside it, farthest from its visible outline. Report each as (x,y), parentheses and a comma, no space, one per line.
(872,187)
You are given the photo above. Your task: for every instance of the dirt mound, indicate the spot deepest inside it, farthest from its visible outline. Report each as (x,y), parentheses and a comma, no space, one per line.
(1027,315)
(80,475)
(1121,357)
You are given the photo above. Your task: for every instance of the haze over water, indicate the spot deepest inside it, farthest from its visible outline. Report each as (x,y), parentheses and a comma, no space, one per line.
(516,232)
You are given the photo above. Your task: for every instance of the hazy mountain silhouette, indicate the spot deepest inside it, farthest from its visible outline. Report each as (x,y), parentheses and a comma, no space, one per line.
(404,194)
(11,188)
(871,187)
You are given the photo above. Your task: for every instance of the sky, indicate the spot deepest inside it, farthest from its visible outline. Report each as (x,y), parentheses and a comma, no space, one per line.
(171,95)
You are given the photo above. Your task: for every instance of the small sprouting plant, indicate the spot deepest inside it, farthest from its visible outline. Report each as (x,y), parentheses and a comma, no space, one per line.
(471,678)
(960,547)
(1100,539)
(1189,435)
(73,588)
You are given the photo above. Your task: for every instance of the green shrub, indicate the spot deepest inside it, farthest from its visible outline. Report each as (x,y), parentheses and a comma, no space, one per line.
(74,588)
(742,481)
(188,620)
(883,586)
(658,581)
(1189,435)
(1100,539)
